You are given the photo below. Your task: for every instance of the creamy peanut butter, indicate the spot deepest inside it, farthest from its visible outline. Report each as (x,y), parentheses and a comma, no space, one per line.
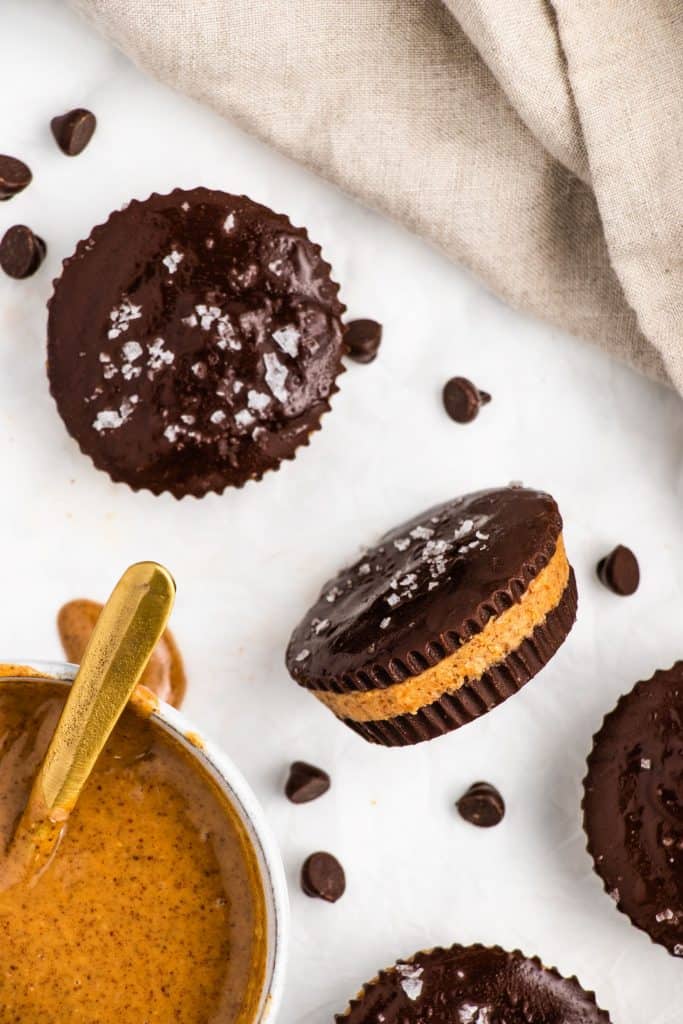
(151,910)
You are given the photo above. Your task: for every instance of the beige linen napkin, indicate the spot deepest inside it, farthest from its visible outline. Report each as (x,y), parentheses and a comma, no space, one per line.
(539,144)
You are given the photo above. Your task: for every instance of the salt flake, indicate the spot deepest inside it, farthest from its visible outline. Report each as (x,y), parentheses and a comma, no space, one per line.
(132,350)
(107,419)
(257,401)
(172,261)
(158,355)
(173,432)
(244,418)
(121,316)
(226,334)
(411,980)
(276,375)
(463,529)
(288,339)
(112,419)
(471,1014)
(207,315)
(422,533)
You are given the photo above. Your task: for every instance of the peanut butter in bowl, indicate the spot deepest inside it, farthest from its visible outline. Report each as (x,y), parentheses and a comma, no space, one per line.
(152,909)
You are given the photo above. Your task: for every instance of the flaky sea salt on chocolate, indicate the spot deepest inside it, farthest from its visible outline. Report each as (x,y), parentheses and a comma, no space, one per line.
(175,300)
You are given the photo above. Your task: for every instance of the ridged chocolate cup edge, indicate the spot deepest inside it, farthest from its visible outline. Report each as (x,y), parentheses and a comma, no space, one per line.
(377,674)
(514,954)
(477,698)
(592,853)
(326,407)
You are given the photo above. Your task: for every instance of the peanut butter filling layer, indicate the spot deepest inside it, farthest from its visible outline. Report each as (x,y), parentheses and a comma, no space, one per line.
(499,637)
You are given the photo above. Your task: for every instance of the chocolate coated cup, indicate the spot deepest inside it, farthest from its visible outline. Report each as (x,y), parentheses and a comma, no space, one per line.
(442,620)
(633,806)
(194,342)
(472,985)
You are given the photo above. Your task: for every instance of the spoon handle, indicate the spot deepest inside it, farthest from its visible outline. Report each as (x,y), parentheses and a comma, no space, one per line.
(121,644)
(127,631)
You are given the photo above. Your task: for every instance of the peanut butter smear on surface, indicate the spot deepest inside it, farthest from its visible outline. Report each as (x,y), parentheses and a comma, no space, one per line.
(151,909)
(165,673)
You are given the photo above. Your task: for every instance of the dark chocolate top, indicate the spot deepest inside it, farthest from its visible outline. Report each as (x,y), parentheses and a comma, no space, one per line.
(473,985)
(633,806)
(193,342)
(424,589)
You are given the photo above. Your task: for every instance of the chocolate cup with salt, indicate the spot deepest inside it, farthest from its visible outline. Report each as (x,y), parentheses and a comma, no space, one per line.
(472,984)
(441,621)
(194,342)
(633,806)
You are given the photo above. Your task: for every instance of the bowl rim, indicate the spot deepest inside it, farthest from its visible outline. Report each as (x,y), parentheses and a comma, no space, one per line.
(234,784)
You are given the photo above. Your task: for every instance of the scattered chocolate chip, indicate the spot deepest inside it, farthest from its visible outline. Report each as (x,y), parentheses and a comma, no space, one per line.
(619,571)
(14,176)
(482,805)
(323,876)
(73,131)
(462,400)
(306,782)
(362,339)
(21,252)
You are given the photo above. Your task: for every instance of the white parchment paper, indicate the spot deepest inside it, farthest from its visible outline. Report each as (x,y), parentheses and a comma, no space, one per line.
(565,418)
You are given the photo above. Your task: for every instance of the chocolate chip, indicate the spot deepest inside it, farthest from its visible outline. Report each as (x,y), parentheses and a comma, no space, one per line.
(73,131)
(462,400)
(306,782)
(14,176)
(362,339)
(323,876)
(482,805)
(620,571)
(21,252)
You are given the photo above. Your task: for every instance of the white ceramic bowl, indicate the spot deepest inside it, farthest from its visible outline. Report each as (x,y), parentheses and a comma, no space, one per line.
(238,791)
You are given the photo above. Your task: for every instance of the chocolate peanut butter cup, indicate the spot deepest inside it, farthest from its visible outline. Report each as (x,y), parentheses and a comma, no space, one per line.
(194,341)
(472,985)
(633,806)
(446,617)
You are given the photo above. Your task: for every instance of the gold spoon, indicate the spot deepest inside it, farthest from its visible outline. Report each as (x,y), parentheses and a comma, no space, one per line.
(121,644)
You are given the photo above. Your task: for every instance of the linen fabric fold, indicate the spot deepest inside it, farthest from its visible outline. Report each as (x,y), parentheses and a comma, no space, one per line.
(539,144)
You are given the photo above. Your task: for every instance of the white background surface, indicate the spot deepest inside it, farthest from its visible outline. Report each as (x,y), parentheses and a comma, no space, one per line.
(564,417)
